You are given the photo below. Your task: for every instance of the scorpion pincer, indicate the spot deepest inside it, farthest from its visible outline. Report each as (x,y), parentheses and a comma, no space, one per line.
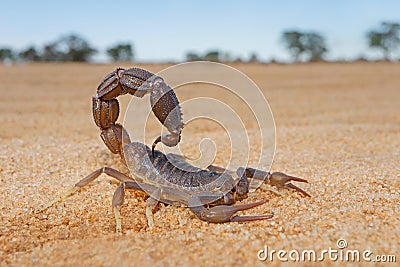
(209,194)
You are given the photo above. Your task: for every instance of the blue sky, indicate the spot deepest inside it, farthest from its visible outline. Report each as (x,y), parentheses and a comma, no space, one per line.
(166,30)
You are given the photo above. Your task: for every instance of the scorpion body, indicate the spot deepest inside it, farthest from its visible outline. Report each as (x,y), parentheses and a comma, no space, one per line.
(208,193)
(161,171)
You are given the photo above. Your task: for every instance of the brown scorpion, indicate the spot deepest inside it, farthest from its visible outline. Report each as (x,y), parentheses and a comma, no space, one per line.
(209,194)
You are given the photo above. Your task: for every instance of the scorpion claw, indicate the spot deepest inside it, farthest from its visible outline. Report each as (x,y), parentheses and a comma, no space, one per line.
(223,213)
(290,185)
(282,180)
(301,180)
(251,218)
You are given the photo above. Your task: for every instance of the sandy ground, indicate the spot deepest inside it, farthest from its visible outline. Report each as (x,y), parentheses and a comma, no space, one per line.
(338,125)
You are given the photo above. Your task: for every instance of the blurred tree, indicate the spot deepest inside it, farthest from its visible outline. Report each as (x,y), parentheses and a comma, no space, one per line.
(309,45)
(29,54)
(315,46)
(273,61)
(6,54)
(121,52)
(238,60)
(212,56)
(51,53)
(68,48)
(253,58)
(191,56)
(292,40)
(361,58)
(386,38)
(75,48)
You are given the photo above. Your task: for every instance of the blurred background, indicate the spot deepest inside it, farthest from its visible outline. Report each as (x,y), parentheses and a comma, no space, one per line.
(175,31)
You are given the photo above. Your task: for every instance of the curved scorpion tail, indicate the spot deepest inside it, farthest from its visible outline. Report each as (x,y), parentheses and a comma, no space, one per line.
(137,82)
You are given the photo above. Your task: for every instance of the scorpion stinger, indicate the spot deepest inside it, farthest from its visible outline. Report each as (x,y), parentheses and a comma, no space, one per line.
(165,106)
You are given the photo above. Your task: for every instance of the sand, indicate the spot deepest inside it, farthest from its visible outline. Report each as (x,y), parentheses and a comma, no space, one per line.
(338,125)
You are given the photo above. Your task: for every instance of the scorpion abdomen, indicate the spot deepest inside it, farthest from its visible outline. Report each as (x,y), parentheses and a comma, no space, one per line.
(159,170)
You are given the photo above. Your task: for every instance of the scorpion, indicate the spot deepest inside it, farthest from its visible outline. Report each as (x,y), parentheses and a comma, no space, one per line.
(209,193)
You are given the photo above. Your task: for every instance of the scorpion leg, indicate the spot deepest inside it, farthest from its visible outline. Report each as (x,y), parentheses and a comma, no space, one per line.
(151,203)
(167,195)
(224,213)
(248,174)
(119,195)
(117,201)
(86,180)
(278,179)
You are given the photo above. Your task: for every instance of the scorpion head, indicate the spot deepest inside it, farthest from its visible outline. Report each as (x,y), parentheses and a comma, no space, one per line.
(242,188)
